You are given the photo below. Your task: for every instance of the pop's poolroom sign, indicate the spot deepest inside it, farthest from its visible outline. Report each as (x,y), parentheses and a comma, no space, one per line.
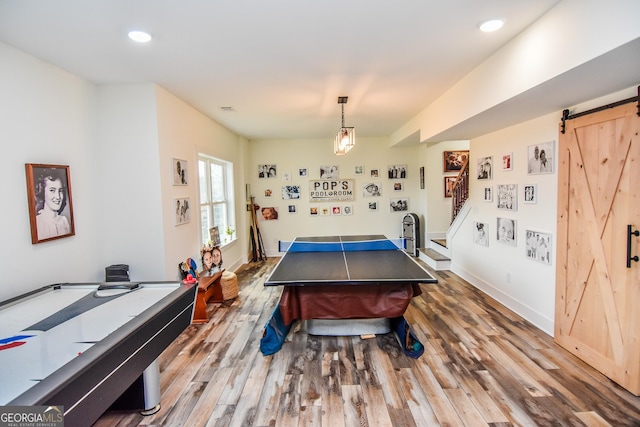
(327,190)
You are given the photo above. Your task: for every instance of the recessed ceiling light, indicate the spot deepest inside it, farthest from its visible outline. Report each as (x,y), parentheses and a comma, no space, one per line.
(140,36)
(492,25)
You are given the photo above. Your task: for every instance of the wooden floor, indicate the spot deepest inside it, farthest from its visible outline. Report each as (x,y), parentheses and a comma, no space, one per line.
(483,365)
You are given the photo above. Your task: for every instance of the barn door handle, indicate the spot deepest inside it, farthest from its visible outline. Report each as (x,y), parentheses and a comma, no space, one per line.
(629,257)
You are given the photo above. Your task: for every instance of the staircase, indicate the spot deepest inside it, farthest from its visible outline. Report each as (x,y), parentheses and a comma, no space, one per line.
(437,254)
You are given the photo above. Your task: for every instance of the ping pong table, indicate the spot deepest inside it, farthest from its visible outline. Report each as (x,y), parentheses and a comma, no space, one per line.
(345,285)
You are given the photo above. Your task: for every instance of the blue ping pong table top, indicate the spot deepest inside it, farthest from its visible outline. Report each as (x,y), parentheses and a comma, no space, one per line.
(366,259)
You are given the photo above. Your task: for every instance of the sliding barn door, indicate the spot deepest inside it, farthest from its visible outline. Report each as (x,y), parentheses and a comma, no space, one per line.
(597,295)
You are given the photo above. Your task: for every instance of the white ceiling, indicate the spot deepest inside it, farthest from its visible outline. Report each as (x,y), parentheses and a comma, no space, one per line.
(280,65)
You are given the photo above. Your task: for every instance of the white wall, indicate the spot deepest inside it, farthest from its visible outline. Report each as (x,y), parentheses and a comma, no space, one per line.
(118,141)
(46,116)
(184,132)
(504,272)
(291,155)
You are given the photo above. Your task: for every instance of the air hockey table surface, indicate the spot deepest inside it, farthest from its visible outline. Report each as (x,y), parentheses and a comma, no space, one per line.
(69,327)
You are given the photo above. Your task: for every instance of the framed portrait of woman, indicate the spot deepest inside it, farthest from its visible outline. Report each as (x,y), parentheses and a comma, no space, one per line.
(50,202)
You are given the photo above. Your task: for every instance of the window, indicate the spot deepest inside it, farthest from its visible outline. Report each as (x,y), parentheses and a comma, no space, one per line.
(216,198)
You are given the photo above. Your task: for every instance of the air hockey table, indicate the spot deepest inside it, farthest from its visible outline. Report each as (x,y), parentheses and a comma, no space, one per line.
(86,346)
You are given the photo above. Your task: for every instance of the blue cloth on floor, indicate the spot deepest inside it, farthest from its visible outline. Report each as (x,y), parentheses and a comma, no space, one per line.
(275,332)
(409,343)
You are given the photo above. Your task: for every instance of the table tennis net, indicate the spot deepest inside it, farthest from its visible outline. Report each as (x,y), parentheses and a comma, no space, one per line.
(342,246)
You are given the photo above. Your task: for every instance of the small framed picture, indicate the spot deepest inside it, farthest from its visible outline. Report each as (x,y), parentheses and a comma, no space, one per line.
(539,246)
(448,185)
(399,205)
(286,176)
(313,211)
(374,173)
(302,172)
(507,196)
(290,192)
(180,172)
(372,189)
(507,161)
(531,193)
(214,236)
(453,160)
(540,158)
(372,206)
(325,211)
(397,186)
(292,209)
(506,231)
(183,211)
(422,177)
(359,170)
(267,171)
(347,210)
(329,172)
(488,194)
(269,213)
(485,167)
(336,210)
(481,233)
(397,171)
(50,202)
(268,193)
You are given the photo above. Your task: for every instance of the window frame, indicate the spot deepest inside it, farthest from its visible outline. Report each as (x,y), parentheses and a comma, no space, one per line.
(211,203)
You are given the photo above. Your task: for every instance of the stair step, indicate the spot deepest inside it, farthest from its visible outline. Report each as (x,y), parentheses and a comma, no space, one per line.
(434,255)
(441,242)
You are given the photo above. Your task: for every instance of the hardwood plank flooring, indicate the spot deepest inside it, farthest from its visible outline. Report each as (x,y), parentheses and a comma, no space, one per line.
(483,365)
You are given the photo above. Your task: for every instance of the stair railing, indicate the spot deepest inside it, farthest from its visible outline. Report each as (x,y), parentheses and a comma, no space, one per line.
(459,190)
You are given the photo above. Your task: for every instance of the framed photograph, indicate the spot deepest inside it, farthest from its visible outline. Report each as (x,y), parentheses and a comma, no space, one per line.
(372,206)
(336,210)
(485,167)
(488,194)
(539,246)
(286,176)
(507,161)
(374,173)
(531,193)
(359,170)
(453,160)
(329,172)
(303,172)
(268,193)
(292,209)
(448,185)
(325,211)
(422,177)
(397,171)
(180,172)
(347,210)
(507,195)
(540,158)
(214,236)
(50,202)
(269,213)
(372,189)
(290,192)
(399,205)
(481,233)
(397,186)
(183,211)
(313,211)
(506,231)
(267,171)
